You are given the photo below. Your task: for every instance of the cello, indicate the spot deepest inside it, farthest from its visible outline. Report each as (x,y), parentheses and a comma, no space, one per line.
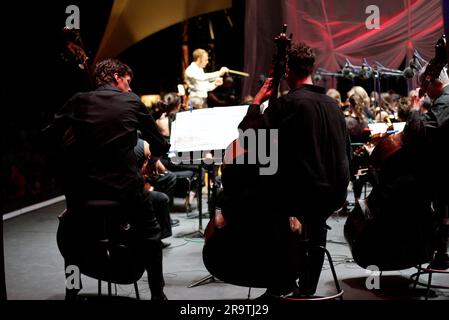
(398,207)
(243,245)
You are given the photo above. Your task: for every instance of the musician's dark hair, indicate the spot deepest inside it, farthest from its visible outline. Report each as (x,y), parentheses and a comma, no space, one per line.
(105,70)
(301,59)
(172,101)
(168,103)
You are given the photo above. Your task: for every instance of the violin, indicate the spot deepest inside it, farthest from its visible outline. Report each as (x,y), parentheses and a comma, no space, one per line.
(386,146)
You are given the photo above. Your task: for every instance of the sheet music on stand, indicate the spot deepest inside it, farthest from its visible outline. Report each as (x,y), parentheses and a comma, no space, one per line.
(195,133)
(206,129)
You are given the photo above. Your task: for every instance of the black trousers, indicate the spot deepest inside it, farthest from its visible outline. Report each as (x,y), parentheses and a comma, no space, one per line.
(161,204)
(165,183)
(311,259)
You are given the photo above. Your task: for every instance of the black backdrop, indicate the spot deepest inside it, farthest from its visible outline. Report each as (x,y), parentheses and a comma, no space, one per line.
(36,81)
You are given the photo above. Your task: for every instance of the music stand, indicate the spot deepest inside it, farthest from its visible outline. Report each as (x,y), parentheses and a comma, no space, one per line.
(199,131)
(195,133)
(199,234)
(211,202)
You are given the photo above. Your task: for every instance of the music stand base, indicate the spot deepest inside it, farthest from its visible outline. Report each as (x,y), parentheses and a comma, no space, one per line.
(198,234)
(208,279)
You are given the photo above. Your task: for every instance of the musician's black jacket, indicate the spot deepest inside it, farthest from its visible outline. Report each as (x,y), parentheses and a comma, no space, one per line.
(428,135)
(99,130)
(314,151)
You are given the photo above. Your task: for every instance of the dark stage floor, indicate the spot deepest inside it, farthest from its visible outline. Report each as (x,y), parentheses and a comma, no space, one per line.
(34,266)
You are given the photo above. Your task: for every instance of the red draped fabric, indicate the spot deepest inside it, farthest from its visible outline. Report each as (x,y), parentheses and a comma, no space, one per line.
(337,30)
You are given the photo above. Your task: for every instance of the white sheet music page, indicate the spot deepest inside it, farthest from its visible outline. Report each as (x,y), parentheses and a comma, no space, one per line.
(206,129)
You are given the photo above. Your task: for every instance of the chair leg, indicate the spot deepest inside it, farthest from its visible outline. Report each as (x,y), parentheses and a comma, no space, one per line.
(136,289)
(109,288)
(429,284)
(99,287)
(418,275)
(334,274)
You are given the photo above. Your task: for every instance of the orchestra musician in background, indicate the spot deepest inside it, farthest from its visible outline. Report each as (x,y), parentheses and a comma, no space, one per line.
(200,82)
(427,131)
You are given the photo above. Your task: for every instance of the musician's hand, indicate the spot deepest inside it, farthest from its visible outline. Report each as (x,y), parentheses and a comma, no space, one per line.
(219,82)
(295,225)
(160,168)
(148,186)
(369,147)
(223,70)
(415,100)
(264,92)
(361,172)
(150,169)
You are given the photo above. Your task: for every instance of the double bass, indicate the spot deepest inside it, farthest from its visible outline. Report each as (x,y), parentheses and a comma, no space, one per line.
(246,244)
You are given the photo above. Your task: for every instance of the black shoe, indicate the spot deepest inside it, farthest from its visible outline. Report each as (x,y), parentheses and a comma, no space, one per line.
(174,222)
(159,297)
(266,297)
(165,244)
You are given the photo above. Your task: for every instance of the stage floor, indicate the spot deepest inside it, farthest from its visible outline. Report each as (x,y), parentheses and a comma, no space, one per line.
(34,266)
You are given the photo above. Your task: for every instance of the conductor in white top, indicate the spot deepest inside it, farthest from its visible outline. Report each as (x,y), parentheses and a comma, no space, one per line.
(199,82)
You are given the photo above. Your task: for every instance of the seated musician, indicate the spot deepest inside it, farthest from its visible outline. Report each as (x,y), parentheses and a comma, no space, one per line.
(310,183)
(164,113)
(400,230)
(364,100)
(97,132)
(357,125)
(161,201)
(335,94)
(223,95)
(427,133)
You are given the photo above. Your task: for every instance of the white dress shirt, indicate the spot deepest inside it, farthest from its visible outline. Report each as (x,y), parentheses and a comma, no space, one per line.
(200,82)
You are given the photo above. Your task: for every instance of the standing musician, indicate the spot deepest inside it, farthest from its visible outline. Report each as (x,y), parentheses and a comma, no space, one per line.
(199,82)
(314,153)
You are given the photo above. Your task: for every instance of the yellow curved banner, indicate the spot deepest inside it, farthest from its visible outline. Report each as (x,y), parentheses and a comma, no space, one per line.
(133,20)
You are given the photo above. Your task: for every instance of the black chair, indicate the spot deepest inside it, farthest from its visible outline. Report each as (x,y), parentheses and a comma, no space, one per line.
(97,239)
(440,262)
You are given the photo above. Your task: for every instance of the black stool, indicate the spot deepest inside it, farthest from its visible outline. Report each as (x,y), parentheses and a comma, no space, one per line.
(440,262)
(308,247)
(107,250)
